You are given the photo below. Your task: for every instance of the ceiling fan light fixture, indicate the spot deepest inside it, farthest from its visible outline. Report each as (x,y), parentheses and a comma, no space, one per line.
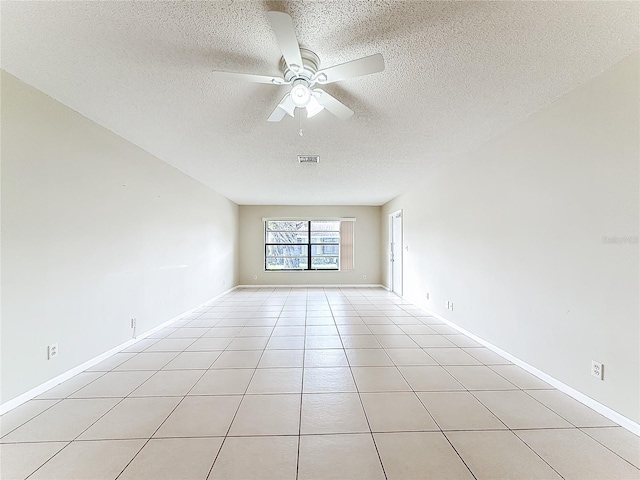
(300,94)
(313,107)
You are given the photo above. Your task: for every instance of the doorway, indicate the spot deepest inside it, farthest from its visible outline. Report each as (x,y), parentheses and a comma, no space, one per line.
(395,257)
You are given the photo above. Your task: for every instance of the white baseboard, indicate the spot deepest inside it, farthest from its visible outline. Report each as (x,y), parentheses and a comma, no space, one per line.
(612,415)
(579,396)
(346,285)
(55,381)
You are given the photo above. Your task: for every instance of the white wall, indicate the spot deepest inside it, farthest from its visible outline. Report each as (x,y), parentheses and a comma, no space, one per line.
(366,250)
(513,234)
(95,231)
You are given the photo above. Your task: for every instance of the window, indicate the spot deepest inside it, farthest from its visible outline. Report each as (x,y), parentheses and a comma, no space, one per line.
(302,245)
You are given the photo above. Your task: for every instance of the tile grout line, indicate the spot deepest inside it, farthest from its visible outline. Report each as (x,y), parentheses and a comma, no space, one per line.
(239,404)
(56,401)
(456,346)
(173,410)
(373,439)
(304,350)
(513,431)
(50,458)
(516,388)
(470,392)
(121,399)
(489,410)
(433,418)
(576,427)
(485,406)
(536,453)
(54,404)
(582,429)
(392,319)
(69,397)
(170,413)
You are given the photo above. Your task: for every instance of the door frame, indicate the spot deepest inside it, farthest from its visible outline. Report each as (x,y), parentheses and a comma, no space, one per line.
(395,263)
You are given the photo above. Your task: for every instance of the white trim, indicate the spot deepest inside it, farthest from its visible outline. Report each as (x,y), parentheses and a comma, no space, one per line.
(308,271)
(306,219)
(623,421)
(398,213)
(55,381)
(314,285)
(611,414)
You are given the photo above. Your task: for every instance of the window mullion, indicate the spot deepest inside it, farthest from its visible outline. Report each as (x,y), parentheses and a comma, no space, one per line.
(309,245)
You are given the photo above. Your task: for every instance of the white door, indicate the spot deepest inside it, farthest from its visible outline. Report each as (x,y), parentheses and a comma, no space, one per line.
(395,230)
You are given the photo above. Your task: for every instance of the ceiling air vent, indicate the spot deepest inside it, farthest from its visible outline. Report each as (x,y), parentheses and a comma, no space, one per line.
(308,158)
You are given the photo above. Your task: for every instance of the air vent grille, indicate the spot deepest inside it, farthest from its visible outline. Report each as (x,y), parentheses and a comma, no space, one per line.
(308,158)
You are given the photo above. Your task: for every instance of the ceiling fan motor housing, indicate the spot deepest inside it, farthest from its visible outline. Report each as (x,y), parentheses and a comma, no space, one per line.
(310,65)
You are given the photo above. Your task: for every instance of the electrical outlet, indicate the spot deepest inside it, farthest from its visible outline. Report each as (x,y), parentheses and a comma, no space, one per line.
(364,277)
(255,277)
(52,351)
(133,323)
(451,306)
(427,295)
(597,369)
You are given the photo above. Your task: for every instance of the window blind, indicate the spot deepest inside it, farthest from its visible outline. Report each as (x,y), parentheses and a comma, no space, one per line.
(346,246)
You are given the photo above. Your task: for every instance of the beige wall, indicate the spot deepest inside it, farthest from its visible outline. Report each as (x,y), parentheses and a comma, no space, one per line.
(513,234)
(95,231)
(367,245)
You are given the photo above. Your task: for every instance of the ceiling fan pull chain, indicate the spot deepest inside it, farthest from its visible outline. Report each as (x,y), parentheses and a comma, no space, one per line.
(300,117)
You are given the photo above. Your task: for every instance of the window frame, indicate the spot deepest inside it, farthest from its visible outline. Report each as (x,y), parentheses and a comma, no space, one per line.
(309,244)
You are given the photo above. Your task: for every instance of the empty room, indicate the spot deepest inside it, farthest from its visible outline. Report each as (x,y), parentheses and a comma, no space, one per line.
(320,240)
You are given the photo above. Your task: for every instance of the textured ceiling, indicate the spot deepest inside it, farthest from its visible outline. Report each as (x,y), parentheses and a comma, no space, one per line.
(457,74)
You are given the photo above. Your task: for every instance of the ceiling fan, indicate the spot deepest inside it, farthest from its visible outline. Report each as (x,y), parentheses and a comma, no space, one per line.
(300,69)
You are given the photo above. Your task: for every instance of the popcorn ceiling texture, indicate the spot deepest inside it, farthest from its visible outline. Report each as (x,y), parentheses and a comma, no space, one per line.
(457,74)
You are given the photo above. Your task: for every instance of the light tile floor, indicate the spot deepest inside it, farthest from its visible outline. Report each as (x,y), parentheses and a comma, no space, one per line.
(310,384)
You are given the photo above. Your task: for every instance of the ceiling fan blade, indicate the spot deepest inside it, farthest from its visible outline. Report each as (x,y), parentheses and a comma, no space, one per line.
(277,115)
(355,68)
(282,26)
(336,107)
(250,77)
(285,107)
